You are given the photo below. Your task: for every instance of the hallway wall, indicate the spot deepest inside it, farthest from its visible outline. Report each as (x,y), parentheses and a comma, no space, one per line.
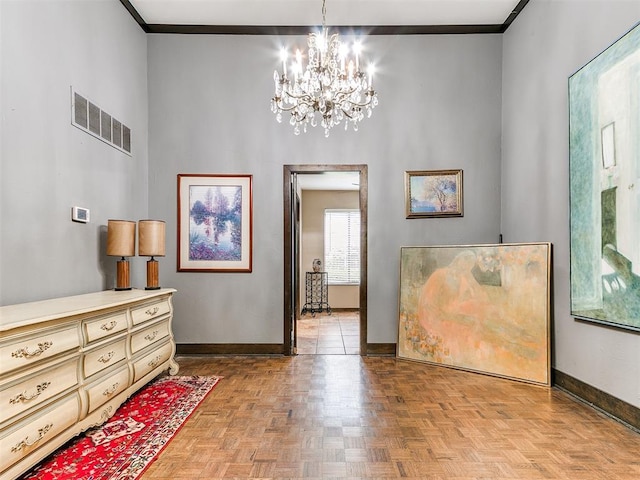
(209,113)
(47,165)
(548,42)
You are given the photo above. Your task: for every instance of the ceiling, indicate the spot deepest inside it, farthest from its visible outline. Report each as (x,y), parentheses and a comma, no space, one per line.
(295,16)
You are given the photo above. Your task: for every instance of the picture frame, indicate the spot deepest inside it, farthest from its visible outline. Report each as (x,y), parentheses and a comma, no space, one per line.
(215,223)
(480,308)
(433,193)
(604,210)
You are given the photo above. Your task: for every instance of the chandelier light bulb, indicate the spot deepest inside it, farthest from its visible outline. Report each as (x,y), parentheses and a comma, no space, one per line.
(331,86)
(357,48)
(344,50)
(371,70)
(283,57)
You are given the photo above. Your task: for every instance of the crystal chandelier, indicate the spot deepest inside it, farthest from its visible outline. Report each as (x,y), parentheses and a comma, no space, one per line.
(331,89)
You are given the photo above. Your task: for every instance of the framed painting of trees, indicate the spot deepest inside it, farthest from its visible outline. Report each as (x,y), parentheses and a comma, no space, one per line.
(434,193)
(215,223)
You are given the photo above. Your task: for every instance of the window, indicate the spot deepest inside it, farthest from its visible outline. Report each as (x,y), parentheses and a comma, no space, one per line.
(342,246)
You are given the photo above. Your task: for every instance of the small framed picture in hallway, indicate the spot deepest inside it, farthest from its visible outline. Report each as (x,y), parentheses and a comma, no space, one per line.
(434,193)
(215,223)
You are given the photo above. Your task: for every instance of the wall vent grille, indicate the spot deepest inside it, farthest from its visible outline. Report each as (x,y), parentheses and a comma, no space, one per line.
(90,118)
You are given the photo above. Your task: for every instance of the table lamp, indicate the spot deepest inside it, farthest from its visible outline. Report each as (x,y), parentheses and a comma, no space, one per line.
(151,244)
(121,242)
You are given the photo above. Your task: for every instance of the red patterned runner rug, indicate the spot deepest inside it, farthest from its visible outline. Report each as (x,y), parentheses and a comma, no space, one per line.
(128,443)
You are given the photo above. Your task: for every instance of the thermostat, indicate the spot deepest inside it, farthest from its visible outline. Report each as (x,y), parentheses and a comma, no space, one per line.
(80,214)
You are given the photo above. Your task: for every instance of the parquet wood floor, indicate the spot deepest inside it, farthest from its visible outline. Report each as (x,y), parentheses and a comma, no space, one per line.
(352,417)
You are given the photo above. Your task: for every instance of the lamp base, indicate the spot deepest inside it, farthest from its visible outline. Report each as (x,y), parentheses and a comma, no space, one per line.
(122,275)
(152,275)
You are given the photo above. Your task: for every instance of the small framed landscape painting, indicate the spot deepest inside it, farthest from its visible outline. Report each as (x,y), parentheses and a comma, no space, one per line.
(483,308)
(434,193)
(215,223)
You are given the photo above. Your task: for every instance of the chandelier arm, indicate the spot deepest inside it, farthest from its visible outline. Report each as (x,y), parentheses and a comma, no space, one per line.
(362,104)
(299,119)
(347,114)
(293,109)
(287,109)
(340,96)
(344,95)
(357,104)
(299,97)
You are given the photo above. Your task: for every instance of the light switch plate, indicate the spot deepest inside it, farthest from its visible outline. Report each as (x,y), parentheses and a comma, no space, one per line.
(80,214)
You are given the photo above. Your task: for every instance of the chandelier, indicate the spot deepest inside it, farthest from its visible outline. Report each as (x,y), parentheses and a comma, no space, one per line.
(331,89)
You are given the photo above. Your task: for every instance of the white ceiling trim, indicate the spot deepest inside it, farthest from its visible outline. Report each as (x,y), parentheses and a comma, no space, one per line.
(339,12)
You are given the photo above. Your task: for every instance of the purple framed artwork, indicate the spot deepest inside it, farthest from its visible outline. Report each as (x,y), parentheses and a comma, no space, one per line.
(215,223)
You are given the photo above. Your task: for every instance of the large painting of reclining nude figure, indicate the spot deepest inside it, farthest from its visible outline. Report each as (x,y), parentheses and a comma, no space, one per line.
(483,308)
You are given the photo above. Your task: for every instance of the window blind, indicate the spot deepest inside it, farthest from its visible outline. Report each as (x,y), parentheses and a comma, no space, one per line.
(342,246)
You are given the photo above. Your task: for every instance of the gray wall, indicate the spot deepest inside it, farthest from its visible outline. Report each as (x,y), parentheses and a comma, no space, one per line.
(548,42)
(209,113)
(47,165)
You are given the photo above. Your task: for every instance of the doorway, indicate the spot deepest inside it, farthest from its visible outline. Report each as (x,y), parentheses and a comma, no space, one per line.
(292,302)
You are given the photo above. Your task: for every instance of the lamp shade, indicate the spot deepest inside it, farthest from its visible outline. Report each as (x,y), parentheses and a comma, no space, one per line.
(121,238)
(151,238)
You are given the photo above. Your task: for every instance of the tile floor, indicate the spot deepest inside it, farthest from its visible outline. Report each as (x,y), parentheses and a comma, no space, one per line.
(324,334)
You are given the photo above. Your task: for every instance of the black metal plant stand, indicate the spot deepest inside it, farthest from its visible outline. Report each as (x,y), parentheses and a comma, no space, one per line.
(316,293)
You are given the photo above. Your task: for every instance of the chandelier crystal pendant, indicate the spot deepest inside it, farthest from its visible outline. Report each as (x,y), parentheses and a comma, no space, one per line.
(331,89)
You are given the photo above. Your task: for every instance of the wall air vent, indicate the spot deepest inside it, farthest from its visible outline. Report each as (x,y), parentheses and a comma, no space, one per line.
(90,118)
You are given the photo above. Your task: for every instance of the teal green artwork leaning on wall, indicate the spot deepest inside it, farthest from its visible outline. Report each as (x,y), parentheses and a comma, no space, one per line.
(604,157)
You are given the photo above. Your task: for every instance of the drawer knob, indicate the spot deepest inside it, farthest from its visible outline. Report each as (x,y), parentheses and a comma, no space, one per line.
(26,443)
(25,353)
(25,397)
(152,311)
(109,326)
(107,357)
(151,336)
(109,391)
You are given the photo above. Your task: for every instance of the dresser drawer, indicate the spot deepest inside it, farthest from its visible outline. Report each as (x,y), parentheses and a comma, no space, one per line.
(150,310)
(37,430)
(102,357)
(150,361)
(27,350)
(150,335)
(97,328)
(103,391)
(33,388)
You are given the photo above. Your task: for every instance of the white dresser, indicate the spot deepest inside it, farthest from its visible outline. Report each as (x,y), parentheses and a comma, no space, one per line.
(67,364)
